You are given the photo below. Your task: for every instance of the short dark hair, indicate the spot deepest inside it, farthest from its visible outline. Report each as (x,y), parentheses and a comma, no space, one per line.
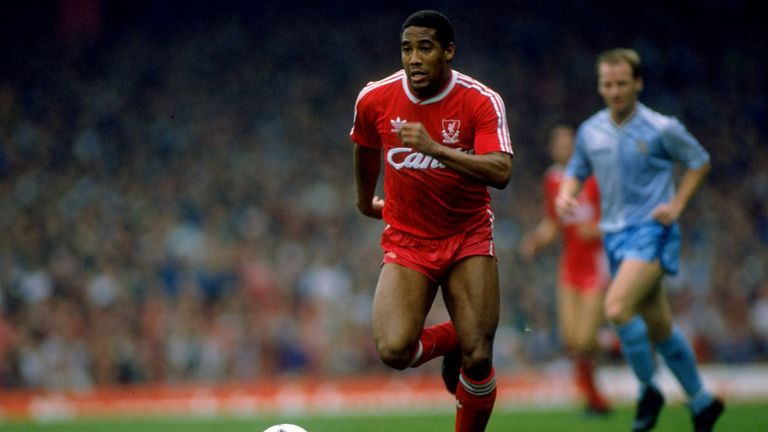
(434,20)
(620,55)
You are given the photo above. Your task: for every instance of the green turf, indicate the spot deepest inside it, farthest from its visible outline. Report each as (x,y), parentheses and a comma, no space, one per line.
(738,418)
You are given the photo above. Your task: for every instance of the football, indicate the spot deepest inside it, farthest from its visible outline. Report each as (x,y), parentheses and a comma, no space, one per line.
(285,427)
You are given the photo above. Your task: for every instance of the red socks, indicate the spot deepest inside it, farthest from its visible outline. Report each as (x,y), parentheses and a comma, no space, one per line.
(434,342)
(474,402)
(585,380)
(474,399)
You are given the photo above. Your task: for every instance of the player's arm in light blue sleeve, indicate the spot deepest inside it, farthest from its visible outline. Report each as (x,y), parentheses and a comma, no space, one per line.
(683,147)
(686,150)
(576,171)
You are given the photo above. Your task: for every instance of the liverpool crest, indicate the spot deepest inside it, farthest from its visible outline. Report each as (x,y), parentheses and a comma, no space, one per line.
(451,131)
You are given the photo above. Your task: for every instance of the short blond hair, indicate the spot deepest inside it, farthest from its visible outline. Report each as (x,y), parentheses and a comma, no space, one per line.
(622,55)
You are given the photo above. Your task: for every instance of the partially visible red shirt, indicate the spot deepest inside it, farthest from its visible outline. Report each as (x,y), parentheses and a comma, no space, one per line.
(422,196)
(582,263)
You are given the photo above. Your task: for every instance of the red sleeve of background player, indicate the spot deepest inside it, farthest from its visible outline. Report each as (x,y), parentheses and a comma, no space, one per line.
(491,130)
(364,131)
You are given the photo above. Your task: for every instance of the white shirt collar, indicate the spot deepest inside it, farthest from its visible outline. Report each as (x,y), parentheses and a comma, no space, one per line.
(433,99)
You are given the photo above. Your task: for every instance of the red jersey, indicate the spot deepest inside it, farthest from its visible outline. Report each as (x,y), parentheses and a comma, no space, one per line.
(423,197)
(582,263)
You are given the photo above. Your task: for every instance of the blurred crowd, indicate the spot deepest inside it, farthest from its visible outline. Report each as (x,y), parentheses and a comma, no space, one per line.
(177,200)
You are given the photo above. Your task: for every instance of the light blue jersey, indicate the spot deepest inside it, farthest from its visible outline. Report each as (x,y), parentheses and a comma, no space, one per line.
(633,163)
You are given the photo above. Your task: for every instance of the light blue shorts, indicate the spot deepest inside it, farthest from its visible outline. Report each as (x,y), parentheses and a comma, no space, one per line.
(648,242)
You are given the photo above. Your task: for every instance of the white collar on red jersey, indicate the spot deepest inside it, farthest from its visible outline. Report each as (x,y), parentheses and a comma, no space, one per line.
(433,99)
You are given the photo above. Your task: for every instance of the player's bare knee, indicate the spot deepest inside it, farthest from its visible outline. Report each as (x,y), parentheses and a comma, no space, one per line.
(477,363)
(584,346)
(395,355)
(616,312)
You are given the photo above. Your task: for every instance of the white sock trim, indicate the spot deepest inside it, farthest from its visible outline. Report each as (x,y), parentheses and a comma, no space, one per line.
(478,389)
(417,356)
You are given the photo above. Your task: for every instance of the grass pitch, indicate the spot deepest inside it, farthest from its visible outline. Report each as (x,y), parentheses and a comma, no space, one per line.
(741,417)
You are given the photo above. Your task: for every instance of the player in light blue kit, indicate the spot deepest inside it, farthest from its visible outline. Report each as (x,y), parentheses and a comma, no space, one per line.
(632,151)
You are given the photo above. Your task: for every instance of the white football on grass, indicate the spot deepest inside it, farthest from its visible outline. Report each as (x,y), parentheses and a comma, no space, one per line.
(285,427)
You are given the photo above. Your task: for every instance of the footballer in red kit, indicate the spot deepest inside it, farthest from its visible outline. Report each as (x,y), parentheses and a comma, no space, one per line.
(442,138)
(583,267)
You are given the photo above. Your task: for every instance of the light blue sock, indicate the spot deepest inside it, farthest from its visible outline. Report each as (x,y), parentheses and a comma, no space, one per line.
(681,360)
(636,347)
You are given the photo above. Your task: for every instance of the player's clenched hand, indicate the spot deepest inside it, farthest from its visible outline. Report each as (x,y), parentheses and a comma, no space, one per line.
(415,136)
(666,214)
(372,209)
(564,204)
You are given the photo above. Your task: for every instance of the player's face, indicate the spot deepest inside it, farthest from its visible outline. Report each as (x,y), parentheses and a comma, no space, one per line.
(618,88)
(425,61)
(561,144)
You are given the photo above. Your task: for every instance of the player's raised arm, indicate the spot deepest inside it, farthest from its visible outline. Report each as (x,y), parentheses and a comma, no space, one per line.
(492,169)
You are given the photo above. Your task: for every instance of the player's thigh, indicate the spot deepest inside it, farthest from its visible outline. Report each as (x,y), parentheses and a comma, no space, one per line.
(401,302)
(471,295)
(567,313)
(581,314)
(589,304)
(633,283)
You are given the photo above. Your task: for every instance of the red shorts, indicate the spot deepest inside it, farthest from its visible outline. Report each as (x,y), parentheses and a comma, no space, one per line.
(433,257)
(585,273)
